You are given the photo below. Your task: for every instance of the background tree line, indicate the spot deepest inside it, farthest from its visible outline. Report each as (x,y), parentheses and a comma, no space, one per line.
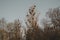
(51,31)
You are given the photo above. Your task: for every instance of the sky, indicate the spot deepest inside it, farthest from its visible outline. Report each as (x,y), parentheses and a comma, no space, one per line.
(17,9)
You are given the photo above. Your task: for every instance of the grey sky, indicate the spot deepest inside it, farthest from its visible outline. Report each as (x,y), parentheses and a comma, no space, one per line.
(14,9)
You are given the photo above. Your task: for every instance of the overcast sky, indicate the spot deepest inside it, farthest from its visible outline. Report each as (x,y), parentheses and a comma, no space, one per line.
(14,9)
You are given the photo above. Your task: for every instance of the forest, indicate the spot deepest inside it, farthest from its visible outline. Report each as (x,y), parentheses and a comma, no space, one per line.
(15,30)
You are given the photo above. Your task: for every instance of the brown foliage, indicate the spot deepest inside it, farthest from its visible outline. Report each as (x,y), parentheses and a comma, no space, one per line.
(33,32)
(51,31)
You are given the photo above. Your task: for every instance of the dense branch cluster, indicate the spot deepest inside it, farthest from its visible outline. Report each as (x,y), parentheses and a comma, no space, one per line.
(15,30)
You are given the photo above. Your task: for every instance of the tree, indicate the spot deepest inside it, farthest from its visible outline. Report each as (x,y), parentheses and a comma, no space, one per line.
(33,31)
(52,33)
(3,23)
(14,30)
(54,15)
(49,32)
(17,26)
(10,28)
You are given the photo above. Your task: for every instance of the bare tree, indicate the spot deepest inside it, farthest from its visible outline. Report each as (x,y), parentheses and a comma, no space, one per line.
(33,32)
(54,15)
(17,26)
(52,33)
